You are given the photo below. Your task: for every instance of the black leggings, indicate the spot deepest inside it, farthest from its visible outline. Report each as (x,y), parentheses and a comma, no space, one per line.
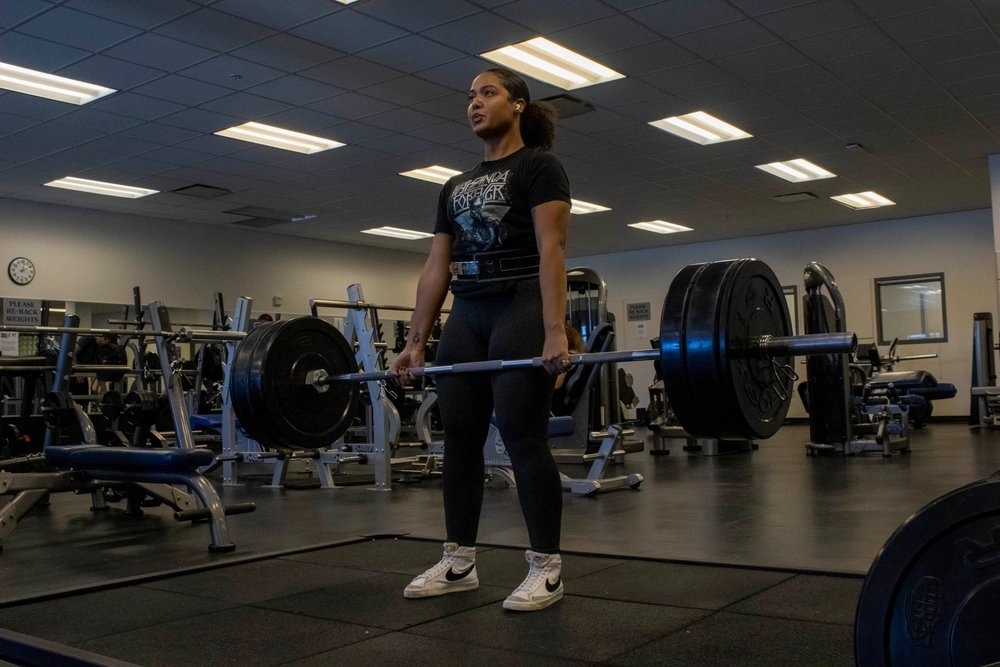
(506,326)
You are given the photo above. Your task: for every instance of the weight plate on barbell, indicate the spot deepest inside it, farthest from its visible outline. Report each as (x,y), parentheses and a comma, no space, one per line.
(724,388)
(932,594)
(270,395)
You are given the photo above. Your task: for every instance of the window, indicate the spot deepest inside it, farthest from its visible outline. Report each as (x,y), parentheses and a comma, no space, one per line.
(911,308)
(792,301)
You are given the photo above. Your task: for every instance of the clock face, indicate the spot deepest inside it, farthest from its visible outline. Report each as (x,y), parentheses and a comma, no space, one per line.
(21,270)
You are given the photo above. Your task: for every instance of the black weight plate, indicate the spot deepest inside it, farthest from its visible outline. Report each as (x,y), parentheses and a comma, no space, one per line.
(674,347)
(711,313)
(297,415)
(239,390)
(931,596)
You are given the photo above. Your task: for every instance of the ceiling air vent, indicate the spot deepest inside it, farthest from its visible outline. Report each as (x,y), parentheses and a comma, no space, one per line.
(567,105)
(202,191)
(795,196)
(260,216)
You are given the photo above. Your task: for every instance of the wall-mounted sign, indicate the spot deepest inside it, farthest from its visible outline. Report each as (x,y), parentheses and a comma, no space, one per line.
(22,312)
(637,312)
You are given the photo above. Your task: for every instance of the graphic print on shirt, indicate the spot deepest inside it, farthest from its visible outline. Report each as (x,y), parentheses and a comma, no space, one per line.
(478,207)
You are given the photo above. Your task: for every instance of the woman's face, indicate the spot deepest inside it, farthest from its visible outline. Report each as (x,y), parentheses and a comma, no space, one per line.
(491,111)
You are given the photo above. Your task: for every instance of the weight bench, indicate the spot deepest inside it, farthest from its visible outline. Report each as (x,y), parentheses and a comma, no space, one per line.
(916,389)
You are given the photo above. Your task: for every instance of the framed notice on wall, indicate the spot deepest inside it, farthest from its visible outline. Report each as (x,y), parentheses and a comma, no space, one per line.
(23,312)
(8,344)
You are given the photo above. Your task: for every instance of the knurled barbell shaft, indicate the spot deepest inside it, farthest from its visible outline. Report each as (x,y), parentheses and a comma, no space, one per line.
(765,346)
(184,333)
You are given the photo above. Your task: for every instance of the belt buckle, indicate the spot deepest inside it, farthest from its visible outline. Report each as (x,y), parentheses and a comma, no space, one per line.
(465,268)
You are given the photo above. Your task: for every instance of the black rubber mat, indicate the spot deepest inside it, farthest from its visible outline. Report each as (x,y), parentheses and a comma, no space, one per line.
(343,605)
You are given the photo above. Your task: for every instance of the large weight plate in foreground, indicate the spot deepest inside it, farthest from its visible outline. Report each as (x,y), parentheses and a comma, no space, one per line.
(716,385)
(270,397)
(932,595)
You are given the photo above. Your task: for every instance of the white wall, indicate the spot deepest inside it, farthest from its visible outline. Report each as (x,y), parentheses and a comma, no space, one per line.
(89,256)
(959,244)
(82,255)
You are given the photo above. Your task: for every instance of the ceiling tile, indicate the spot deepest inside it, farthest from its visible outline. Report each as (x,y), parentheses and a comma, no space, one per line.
(479,33)
(408,91)
(14,12)
(349,31)
(912,100)
(596,38)
(796,78)
(729,38)
(276,15)
(455,75)
(27,51)
(287,52)
(650,57)
(756,7)
(244,105)
(976,42)
(351,73)
(618,93)
(200,120)
(295,90)
(351,106)
(401,119)
(869,64)
(144,15)
(111,72)
(233,73)
(889,84)
(840,43)
(682,16)
(768,59)
(136,106)
(76,29)
(414,15)
(688,77)
(157,133)
(410,54)
(723,94)
(307,120)
(813,18)
(11,124)
(973,88)
(159,52)
(182,90)
(965,69)
(214,30)
(99,120)
(937,22)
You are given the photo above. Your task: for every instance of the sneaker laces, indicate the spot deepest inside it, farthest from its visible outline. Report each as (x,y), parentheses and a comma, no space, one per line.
(530,582)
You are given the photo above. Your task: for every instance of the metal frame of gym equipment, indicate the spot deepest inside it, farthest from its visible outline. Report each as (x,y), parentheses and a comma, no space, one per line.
(585,286)
(88,466)
(984,411)
(834,429)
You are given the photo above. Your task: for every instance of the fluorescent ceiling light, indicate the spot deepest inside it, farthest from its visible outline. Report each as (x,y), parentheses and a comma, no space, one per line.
(397,233)
(100,187)
(23,80)
(867,199)
(346,2)
(582,207)
(796,171)
(277,137)
(660,227)
(434,173)
(547,61)
(701,128)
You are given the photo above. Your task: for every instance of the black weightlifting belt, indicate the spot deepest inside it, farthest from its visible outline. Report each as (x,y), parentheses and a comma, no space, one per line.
(495,265)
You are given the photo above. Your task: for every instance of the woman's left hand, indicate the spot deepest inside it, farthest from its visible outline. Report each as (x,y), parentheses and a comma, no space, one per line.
(555,353)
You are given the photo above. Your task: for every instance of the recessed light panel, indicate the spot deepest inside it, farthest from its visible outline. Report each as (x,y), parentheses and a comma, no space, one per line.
(859,200)
(278,137)
(796,171)
(701,128)
(661,227)
(434,173)
(546,61)
(100,188)
(582,207)
(397,233)
(23,80)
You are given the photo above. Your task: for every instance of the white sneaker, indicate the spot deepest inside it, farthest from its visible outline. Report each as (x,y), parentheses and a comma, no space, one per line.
(456,571)
(543,585)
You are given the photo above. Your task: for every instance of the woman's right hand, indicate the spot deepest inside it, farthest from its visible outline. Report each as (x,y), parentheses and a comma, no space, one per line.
(412,356)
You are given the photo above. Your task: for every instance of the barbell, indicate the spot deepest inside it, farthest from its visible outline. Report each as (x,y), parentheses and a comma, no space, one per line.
(725,354)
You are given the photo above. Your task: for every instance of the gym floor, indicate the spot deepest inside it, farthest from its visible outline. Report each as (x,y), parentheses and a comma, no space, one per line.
(753,557)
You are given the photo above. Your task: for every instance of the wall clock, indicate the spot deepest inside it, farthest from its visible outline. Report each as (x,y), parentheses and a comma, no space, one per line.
(21,270)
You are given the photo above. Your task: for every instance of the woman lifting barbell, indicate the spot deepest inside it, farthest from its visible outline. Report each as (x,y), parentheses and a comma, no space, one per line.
(499,241)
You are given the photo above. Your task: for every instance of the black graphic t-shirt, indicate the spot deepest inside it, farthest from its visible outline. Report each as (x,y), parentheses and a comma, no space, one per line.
(489,207)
